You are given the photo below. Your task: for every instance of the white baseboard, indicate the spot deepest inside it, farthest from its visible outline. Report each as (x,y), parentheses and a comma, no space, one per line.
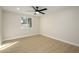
(19,37)
(72,43)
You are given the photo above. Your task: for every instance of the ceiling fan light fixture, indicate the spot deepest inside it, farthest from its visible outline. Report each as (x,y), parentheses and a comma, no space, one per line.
(37,12)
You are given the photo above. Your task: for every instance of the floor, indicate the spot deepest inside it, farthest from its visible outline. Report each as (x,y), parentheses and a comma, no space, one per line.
(38,44)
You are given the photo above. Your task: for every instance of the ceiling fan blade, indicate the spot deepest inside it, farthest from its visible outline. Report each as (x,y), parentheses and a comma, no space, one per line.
(34,8)
(41,12)
(43,9)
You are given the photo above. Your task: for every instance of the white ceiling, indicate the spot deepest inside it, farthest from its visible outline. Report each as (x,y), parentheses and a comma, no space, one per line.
(29,10)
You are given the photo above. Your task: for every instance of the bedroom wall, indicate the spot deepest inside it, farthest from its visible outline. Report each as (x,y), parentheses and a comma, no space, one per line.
(12,26)
(0,26)
(62,25)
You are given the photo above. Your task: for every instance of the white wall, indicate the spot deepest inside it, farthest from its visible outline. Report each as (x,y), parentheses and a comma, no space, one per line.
(12,26)
(62,25)
(0,26)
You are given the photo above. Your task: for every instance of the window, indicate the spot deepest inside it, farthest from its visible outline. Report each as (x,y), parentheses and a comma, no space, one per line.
(26,22)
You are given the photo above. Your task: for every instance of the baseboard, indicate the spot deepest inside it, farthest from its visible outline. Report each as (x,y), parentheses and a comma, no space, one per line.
(20,37)
(72,43)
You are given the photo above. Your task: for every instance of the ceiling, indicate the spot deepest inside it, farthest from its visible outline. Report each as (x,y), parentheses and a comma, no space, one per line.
(29,10)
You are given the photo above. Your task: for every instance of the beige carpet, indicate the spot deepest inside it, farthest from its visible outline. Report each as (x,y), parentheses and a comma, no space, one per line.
(38,44)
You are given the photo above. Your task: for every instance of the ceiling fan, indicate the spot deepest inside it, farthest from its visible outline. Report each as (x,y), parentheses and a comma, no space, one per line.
(37,10)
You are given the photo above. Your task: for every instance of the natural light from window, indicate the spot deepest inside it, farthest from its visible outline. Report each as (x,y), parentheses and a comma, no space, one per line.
(5,46)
